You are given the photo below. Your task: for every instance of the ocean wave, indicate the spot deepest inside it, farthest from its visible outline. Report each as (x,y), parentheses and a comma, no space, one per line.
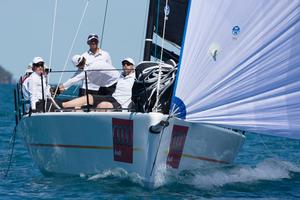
(266,170)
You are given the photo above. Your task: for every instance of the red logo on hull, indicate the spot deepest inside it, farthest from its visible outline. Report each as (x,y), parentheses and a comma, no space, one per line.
(176,145)
(123,140)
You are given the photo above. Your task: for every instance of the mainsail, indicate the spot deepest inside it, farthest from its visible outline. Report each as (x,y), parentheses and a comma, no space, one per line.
(240,66)
(177,10)
(176,20)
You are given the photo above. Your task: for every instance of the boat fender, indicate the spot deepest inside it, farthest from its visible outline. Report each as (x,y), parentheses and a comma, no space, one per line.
(156,129)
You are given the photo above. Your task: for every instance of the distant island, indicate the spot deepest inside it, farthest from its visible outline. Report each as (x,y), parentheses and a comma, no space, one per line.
(5,76)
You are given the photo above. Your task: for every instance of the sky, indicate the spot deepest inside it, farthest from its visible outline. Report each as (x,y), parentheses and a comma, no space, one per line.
(27,26)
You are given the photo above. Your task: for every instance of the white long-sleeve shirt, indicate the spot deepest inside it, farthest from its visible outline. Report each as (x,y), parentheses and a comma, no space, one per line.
(124,89)
(35,89)
(101,55)
(79,77)
(103,74)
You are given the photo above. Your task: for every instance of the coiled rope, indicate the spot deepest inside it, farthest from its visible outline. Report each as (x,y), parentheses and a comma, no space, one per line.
(164,72)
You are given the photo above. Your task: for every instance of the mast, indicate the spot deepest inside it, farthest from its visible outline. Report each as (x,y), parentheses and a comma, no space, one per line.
(149,32)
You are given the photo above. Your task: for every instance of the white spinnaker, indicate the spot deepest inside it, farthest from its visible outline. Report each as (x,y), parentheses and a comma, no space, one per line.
(240,65)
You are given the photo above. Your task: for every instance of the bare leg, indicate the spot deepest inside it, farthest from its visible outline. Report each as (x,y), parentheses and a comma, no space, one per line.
(105,104)
(78,102)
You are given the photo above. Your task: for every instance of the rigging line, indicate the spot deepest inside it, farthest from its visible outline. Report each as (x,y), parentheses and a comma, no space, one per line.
(103,24)
(13,141)
(157,26)
(71,48)
(161,135)
(161,56)
(52,35)
(52,40)
(266,147)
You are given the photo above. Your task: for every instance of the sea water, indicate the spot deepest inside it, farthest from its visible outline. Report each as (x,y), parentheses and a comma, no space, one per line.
(266,168)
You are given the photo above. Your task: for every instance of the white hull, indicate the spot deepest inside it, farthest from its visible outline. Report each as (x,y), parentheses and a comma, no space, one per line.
(88,143)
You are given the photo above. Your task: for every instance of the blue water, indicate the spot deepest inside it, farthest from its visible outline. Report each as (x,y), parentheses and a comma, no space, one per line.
(266,168)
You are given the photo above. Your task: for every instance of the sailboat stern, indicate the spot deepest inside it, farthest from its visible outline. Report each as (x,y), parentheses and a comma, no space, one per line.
(79,143)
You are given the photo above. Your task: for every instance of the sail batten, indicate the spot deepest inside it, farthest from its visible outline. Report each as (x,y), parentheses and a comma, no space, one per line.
(240,66)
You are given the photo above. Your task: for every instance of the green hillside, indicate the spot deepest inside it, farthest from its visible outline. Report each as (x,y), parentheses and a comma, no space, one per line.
(5,76)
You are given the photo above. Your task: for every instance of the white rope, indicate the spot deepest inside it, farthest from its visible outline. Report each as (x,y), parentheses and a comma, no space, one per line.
(103,24)
(52,41)
(72,45)
(150,76)
(161,56)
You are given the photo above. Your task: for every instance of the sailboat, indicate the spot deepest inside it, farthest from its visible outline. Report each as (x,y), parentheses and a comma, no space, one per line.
(238,71)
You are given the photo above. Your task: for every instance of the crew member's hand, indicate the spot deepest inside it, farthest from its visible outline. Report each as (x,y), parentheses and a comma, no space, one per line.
(61,88)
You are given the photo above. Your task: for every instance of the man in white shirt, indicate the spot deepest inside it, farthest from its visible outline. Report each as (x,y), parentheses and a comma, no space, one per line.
(79,77)
(94,52)
(104,76)
(123,89)
(37,85)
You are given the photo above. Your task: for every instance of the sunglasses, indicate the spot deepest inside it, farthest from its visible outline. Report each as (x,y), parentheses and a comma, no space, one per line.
(40,64)
(126,63)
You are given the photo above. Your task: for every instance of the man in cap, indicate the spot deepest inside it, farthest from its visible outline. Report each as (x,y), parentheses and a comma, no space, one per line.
(123,92)
(37,85)
(79,76)
(94,52)
(39,91)
(28,72)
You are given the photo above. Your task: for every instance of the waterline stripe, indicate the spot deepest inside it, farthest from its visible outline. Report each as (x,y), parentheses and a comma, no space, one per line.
(205,159)
(110,148)
(78,146)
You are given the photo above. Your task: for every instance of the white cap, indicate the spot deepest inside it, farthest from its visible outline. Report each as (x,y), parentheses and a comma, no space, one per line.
(130,60)
(92,37)
(76,59)
(28,70)
(29,65)
(37,60)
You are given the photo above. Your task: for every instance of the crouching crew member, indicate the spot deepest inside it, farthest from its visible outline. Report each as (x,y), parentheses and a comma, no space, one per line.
(100,73)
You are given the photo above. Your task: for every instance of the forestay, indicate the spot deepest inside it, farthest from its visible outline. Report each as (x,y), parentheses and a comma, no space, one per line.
(240,66)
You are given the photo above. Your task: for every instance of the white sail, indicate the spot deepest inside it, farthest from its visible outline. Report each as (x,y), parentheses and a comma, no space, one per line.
(240,66)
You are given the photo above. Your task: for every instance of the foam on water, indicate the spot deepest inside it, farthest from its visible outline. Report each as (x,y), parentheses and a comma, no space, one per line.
(266,170)
(118,173)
